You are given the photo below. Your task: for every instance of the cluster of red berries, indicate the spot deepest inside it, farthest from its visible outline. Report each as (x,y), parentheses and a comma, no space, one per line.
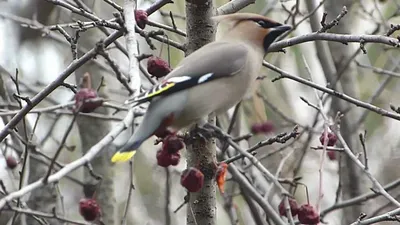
(169,153)
(305,213)
(331,141)
(85,100)
(265,127)
(156,66)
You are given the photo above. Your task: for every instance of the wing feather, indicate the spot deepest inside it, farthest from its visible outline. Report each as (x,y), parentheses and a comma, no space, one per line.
(200,67)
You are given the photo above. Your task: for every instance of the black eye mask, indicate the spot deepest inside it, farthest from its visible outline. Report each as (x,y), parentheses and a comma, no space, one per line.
(266,24)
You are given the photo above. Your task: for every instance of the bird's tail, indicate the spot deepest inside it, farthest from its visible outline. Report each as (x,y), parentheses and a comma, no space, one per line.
(146,129)
(127,151)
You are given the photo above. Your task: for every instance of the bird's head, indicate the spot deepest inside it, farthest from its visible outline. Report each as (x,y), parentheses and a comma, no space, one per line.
(252,28)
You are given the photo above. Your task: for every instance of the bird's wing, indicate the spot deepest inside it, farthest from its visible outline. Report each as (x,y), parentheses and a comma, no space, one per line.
(213,61)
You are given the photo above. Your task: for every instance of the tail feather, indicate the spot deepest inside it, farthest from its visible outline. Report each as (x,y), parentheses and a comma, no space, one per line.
(158,112)
(126,152)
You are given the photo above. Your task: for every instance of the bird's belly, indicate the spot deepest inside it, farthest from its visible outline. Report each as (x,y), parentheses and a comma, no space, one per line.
(217,96)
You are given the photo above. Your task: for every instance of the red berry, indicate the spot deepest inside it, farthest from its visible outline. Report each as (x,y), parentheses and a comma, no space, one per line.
(157,67)
(265,127)
(308,215)
(162,133)
(11,162)
(174,158)
(256,128)
(89,209)
(172,144)
(141,18)
(163,158)
(331,138)
(81,102)
(192,179)
(294,208)
(331,155)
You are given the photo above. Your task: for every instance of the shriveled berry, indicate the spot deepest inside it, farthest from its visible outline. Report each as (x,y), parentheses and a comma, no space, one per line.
(331,139)
(81,102)
(294,208)
(221,175)
(172,144)
(308,215)
(331,155)
(163,158)
(174,158)
(256,128)
(141,18)
(11,162)
(192,179)
(89,209)
(162,133)
(265,127)
(157,67)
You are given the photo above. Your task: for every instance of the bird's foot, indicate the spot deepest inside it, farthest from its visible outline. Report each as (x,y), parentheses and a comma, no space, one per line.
(202,133)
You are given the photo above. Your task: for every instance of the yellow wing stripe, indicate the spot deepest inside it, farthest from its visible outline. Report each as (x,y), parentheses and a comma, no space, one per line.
(122,156)
(166,87)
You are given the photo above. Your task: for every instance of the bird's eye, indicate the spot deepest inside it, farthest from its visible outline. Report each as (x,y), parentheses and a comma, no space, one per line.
(265,23)
(262,23)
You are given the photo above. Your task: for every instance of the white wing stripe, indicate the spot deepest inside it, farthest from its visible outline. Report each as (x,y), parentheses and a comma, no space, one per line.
(204,78)
(178,79)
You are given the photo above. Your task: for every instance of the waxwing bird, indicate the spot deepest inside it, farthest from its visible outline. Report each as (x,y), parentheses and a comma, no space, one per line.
(212,79)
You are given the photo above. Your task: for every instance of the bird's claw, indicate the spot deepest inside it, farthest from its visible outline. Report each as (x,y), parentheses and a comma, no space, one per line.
(202,133)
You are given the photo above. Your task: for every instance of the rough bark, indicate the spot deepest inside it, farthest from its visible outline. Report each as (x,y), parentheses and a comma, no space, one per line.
(202,205)
(199,27)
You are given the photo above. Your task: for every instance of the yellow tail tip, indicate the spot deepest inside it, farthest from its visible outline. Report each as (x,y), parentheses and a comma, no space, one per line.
(122,156)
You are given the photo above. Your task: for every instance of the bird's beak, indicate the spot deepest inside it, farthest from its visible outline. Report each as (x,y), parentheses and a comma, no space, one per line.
(280,29)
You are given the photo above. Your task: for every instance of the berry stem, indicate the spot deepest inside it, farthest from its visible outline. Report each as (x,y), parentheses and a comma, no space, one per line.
(308,196)
(321,166)
(86,81)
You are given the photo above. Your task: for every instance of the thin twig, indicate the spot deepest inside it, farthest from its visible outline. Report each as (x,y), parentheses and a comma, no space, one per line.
(359,199)
(284,74)
(60,147)
(376,184)
(93,151)
(362,140)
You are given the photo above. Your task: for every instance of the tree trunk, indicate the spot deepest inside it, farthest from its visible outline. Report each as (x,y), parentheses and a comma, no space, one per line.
(202,205)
